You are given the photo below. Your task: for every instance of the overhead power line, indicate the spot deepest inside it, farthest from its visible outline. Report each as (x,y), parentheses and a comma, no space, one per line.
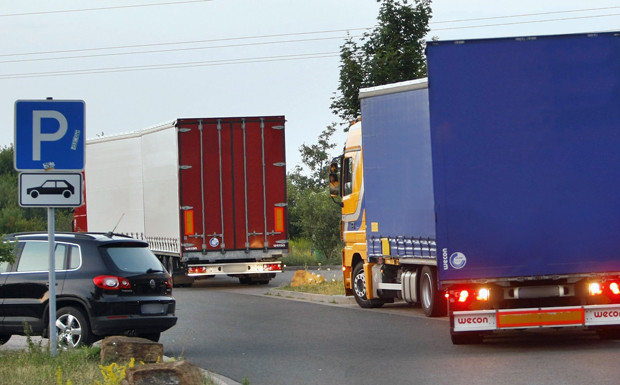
(525,22)
(168,50)
(318,55)
(133,46)
(523,15)
(103,8)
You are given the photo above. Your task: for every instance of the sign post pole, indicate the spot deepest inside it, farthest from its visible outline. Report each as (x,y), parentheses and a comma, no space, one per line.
(51,230)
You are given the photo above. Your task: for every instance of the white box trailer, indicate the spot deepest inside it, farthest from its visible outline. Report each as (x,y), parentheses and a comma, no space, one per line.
(209,195)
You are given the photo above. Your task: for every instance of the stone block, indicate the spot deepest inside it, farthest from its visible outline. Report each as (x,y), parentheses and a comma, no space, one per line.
(122,349)
(167,373)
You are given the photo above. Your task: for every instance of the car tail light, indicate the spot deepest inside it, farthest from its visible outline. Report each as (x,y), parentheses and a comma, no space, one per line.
(169,283)
(110,282)
(272,267)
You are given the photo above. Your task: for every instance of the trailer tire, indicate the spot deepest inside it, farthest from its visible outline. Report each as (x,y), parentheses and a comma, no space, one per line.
(432,302)
(469,338)
(359,289)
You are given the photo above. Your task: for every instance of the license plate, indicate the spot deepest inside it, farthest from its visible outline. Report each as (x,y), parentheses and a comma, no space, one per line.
(153,308)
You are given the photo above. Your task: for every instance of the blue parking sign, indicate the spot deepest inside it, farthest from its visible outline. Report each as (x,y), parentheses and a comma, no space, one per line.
(49,135)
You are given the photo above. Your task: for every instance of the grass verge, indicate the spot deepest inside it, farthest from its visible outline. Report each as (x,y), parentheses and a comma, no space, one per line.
(35,365)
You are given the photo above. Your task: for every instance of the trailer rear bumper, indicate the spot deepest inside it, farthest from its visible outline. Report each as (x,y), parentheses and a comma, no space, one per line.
(572,316)
(238,268)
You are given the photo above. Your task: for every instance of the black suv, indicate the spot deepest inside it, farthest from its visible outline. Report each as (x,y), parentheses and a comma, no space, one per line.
(106,284)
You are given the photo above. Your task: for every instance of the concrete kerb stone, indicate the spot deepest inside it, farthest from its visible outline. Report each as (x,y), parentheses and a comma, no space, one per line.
(298,295)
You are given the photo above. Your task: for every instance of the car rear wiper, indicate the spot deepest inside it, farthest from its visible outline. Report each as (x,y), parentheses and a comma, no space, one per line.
(151,270)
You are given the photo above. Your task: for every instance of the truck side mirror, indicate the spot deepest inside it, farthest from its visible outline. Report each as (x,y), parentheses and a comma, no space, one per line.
(334,183)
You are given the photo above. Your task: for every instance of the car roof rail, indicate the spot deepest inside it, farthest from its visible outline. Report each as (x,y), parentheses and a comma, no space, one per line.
(22,234)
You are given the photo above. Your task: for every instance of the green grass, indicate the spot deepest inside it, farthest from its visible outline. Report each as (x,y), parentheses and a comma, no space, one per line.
(301,254)
(35,365)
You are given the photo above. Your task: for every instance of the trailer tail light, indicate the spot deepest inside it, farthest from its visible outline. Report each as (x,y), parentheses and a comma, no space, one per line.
(272,267)
(595,288)
(188,217)
(279,219)
(110,282)
(462,296)
(614,287)
(483,294)
(197,269)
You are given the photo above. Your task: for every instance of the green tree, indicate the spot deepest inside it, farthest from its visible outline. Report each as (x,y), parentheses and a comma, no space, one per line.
(321,222)
(392,52)
(312,214)
(316,159)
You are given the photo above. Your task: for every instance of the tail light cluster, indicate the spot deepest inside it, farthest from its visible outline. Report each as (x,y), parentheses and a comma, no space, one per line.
(110,282)
(609,288)
(197,269)
(466,296)
(272,267)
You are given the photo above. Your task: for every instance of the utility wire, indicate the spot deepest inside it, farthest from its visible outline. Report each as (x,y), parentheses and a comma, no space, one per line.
(184,42)
(525,22)
(102,8)
(522,15)
(318,55)
(169,50)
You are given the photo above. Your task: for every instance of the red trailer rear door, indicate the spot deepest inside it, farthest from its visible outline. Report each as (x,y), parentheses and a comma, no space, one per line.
(232,185)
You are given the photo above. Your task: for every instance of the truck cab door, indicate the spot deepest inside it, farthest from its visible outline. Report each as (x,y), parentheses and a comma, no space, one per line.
(352,190)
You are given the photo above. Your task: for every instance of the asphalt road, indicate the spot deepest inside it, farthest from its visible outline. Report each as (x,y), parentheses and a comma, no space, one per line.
(240,332)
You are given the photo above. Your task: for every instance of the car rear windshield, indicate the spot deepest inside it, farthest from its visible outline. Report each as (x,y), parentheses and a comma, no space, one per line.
(134,259)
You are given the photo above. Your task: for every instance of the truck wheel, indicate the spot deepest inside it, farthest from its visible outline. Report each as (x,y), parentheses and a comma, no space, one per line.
(468,338)
(4,338)
(431,301)
(73,329)
(359,289)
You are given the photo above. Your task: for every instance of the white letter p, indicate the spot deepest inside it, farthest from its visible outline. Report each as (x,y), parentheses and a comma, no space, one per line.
(38,136)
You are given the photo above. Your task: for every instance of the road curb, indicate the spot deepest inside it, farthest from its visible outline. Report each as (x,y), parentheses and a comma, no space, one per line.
(333,299)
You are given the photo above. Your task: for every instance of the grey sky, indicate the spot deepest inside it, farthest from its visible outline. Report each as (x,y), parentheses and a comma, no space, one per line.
(225,57)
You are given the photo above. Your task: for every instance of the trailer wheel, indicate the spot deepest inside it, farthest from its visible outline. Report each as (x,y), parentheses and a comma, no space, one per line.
(359,289)
(469,338)
(431,300)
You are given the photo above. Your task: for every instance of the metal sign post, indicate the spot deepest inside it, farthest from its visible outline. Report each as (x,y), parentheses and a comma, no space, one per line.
(49,139)
(51,230)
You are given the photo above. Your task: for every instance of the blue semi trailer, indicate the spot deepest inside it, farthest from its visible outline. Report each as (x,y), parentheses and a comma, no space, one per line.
(525,137)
